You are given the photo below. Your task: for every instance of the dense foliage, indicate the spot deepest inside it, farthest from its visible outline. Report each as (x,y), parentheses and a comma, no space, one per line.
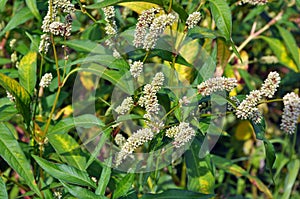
(149,99)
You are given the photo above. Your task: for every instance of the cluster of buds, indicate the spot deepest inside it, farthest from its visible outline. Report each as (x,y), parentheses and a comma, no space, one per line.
(216,84)
(255,2)
(133,142)
(46,80)
(150,27)
(125,106)
(182,134)
(291,113)
(193,19)
(149,98)
(248,107)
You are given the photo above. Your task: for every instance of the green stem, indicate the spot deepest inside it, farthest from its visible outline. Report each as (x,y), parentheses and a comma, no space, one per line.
(56,59)
(270,101)
(170,6)
(52,110)
(83,10)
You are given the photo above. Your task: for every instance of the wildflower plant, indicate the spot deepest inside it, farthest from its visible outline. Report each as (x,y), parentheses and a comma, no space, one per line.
(150,99)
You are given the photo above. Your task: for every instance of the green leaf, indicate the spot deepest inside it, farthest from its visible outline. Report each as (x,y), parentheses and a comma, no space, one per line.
(68,149)
(66,124)
(281,52)
(65,173)
(3,192)
(12,153)
(19,18)
(22,96)
(238,171)
(223,53)
(177,193)
(200,176)
(254,12)
(2,4)
(4,61)
(291,176)
(270,154)
(34,42)
(222,16)
(124,186)
(7,109)
(81,193)
(175,6)
(104,180)
(81,45)
(31,4)
(259,129)
(27,72)
(291,44)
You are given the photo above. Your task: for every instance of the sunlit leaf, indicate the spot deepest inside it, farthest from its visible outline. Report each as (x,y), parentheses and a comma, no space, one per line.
(281,52)
(222,16)
(12,153)
(27,71)
(244,130)
(65,173)
(175,6)
(291,44)
(139,7)
(68,149)
(23,99)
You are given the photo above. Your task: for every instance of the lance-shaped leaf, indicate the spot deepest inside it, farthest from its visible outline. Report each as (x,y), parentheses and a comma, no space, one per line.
(12,153)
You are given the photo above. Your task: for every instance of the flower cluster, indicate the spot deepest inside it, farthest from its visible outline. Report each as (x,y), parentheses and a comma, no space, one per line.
(133,142)
(125,106)
(193,19)
(144,22)
(157,27)
(270,85)
(110,27)
(247,109)
(255,2)
(248,106)
(216,84)
(44,43)
(182,134)
(136,68)
(120,139)
(149,99)
(291,112)
(58,28)
(46,80)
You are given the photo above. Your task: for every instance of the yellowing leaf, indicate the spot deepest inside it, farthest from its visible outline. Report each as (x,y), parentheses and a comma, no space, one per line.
(87,81)
(67,111)
(27,71)
(244,130)
(281,52)
(189,52)
(139,7)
